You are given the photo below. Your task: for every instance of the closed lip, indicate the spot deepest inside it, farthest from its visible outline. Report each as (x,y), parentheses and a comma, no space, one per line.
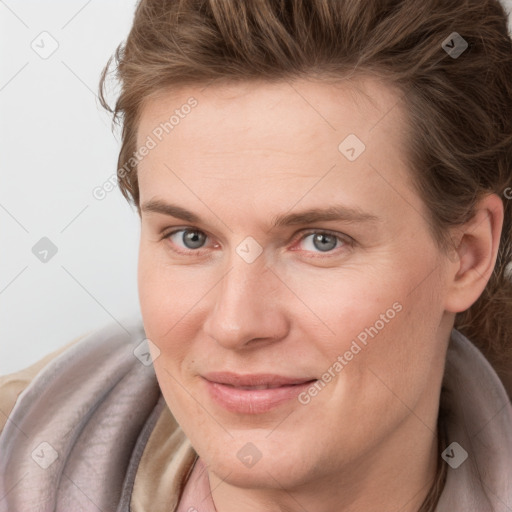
(257,379)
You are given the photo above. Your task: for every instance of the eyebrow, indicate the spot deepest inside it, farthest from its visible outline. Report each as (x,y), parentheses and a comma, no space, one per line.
(335,212)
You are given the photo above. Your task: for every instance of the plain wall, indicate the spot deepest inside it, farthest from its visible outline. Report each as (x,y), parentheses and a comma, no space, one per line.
(56,146)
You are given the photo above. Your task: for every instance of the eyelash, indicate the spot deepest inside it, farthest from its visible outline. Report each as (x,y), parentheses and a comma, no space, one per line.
(347,241)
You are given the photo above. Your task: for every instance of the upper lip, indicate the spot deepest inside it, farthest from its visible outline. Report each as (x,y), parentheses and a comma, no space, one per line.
(259,379)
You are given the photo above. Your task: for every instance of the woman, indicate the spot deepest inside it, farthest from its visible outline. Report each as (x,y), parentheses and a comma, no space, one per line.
(325,231)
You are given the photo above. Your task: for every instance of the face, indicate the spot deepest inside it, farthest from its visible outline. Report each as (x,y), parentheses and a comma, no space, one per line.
(283,245)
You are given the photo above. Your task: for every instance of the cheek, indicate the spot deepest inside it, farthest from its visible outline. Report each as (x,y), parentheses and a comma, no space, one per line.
(343,303)
(399,337)
(166,293)
(152,289)
(173,303)
(380,318)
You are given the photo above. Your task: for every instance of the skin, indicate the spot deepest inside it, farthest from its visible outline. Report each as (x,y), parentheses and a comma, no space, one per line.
(245,154)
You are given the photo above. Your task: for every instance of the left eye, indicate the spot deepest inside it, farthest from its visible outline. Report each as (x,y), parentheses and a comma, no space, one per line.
(322,241)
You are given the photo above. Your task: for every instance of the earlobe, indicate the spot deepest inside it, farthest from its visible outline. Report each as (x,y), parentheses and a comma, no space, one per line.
(477,249)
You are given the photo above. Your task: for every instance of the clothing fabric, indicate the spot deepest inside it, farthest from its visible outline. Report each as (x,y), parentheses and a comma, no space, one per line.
(91,431)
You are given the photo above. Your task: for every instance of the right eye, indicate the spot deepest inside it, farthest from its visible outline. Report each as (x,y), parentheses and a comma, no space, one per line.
(191,239)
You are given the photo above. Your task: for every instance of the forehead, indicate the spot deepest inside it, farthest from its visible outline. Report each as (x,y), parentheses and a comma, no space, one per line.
(298,113)
(247,153)
(275,140)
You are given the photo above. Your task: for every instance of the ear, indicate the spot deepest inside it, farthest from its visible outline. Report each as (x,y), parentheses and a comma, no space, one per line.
(477,244)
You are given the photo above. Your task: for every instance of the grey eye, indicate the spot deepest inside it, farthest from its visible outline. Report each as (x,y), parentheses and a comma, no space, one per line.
(324,242)
(193,239)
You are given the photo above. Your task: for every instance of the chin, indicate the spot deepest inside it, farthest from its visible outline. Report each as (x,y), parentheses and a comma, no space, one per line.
(270,471)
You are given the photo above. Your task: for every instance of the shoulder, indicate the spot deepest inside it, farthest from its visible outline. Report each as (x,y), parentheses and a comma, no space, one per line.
(491,370)
(114,346)
(88,407)
(12,384)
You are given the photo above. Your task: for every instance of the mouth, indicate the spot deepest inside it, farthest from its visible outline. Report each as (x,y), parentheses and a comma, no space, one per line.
(255,380)
(253,394)
(263,386)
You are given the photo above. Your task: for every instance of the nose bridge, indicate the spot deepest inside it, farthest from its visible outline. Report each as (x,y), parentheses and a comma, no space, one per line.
(241,291)
(244,307)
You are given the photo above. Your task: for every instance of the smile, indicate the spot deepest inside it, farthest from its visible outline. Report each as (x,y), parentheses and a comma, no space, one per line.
(249,394)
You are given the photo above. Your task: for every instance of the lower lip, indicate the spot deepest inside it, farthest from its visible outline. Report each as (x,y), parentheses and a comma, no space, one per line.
(253,401)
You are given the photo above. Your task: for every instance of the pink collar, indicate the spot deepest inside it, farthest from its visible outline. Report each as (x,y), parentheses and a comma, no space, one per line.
(196,495)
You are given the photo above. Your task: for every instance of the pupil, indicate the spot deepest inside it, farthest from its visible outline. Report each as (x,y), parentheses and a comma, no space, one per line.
(322,238)
(193,239)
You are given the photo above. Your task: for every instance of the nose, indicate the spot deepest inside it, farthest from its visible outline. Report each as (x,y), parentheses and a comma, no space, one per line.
(246,307)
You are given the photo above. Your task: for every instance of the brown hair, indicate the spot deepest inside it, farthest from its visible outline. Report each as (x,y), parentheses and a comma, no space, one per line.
(459,107)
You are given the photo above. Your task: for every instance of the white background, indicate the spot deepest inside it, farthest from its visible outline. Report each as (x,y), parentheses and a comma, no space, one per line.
(56,146)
